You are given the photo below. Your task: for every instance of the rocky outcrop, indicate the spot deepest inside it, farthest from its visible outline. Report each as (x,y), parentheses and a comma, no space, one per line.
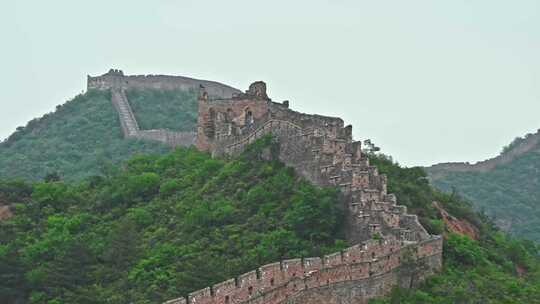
(456,225)
(5,212)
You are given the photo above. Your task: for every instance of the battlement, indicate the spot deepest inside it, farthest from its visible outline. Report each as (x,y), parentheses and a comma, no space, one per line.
(115,79)
(276,282)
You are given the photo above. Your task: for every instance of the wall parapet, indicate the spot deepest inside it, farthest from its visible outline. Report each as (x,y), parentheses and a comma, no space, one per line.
(115,79)
(277,282)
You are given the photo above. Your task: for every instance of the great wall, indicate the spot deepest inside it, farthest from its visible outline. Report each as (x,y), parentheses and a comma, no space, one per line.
(530,142)
(392,248)
(118,83)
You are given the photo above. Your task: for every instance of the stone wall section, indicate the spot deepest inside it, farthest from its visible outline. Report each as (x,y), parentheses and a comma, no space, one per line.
(354,275)
(118,83)
(117,79)
(322,150)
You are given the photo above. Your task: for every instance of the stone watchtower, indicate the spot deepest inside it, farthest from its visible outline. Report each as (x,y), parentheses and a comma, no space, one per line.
(222,119)
(112,79)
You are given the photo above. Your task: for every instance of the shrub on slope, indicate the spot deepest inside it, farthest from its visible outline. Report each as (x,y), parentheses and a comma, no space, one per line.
(494,269)
(161,227)
(510,193)
(79,139)
(158,109)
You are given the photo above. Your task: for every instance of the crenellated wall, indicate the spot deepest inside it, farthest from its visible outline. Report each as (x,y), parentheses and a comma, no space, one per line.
(115,79)
(118,83)
(322,150)
(357,273)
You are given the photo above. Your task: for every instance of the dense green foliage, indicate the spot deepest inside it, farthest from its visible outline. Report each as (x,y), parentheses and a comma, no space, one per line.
(510,193)
(475,271)
(81,138)
(160,227)
(158,109)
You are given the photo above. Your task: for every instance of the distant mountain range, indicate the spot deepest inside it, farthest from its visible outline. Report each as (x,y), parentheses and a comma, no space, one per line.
(507,187)
(83,137)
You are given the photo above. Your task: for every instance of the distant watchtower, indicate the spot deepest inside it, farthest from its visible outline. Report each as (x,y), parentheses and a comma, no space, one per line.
(112,79)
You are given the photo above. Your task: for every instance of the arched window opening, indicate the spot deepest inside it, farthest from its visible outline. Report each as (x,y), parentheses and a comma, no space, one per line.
(230,115)
(248,117)
(212,114)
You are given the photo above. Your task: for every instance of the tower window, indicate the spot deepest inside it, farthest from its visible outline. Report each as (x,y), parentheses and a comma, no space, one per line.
(248,117)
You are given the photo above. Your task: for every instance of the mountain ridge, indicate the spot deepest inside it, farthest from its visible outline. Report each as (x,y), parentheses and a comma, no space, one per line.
(505,187)
(529,142)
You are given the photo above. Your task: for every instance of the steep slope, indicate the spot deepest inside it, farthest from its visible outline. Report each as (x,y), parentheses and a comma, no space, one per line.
(507,187)
(157,109)
(488,270)
(158,227)
(84,136)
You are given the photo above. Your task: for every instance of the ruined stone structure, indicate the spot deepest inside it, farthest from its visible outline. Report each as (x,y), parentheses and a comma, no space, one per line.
(392,247)
(118,83)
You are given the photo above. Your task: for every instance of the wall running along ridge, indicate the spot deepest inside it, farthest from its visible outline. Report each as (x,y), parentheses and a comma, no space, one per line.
(440,170)
(118,83)
(392,247)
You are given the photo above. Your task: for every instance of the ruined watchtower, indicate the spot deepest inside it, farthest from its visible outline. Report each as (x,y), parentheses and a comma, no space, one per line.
(220,120)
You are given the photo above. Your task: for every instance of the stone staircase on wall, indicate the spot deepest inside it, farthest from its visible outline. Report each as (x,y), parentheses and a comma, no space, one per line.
(131,129)
(129,124)
(333,159)
(383,231)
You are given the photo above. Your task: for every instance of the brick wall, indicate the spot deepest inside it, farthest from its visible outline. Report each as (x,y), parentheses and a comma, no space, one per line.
(117,79)
(322,150)
(117,82)
(373,266)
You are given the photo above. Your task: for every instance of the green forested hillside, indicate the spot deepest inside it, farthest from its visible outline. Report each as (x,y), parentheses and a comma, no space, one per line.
(510,193)
(493,269)
(83,136)
(161,226)
(158,109)
(158,228)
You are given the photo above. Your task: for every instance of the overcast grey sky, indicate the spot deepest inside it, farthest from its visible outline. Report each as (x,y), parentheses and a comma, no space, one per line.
(428,81)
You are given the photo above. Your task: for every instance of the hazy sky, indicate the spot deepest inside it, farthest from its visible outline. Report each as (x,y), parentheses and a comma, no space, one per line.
(428,81)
